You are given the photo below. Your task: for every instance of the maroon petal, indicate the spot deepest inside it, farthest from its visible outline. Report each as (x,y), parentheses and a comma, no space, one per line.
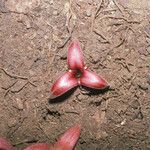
(75,57)
(69,139)
(5,145)
(64,83)
(92,80)
(40,146)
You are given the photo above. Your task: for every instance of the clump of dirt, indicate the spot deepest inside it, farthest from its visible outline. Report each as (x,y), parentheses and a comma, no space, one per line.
(115,38)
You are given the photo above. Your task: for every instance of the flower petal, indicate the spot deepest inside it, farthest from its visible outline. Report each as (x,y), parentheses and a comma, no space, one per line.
(75,57)
(92,80)
(5,145)
(69,139)
(64,83)
(40,146)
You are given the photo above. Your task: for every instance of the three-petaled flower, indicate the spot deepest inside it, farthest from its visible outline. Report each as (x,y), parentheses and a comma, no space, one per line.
(78,73)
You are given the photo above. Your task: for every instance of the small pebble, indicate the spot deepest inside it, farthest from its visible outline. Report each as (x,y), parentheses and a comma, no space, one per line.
(55,12)
(135,104)
(19,104)
(144,86)
(137,114)
(51,2)
(88,13)
(12,122)
(102,135)
(95,57)
(140,115)
(64,56)
(129,76)
(109,57)
(81,96)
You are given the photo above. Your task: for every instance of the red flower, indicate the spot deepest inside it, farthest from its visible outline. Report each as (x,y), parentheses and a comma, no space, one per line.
(78,74)
(66,142)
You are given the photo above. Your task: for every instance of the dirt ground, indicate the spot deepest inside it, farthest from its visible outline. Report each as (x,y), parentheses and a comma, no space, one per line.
(115,38)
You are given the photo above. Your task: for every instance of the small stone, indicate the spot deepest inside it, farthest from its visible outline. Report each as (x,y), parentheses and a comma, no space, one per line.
(129,76)
(51,2)
(138,114)
(66,7)
(144,86)
(95,57)
(88,13)
(102,135)
(135,104)
(126,50)
(148,132)
(64,56)
(55,12)
(80,97)
(142,83)
(19,104)
(109,57)
(12,122)
(28,24)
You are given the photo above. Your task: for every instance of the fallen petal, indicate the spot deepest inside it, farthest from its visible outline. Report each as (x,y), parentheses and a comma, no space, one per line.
(40,146)
(64,83)
(75,57)
(69,139)
(92,80)
(5,145)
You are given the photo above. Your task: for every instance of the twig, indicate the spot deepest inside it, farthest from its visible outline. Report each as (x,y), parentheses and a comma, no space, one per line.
(8,89)
(125,65)
(118,6)
(14,12)
(118,45)
(95,14)
(106,10)
(17,76)
(98,8)
(25,141)
(67,21)
(12,75)
(65,42)
(56,50)
(68,18)
(16,91)
(28,82)
(148,35)
(101,35)
(32,83)
(71,112)
(122,18)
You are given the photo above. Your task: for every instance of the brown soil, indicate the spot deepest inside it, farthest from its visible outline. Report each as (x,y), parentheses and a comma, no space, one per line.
(115,38)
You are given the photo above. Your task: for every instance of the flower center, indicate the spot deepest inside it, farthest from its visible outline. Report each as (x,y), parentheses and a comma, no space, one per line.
(78,74)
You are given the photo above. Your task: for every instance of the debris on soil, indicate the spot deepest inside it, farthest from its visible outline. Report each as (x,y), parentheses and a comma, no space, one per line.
(115,39)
